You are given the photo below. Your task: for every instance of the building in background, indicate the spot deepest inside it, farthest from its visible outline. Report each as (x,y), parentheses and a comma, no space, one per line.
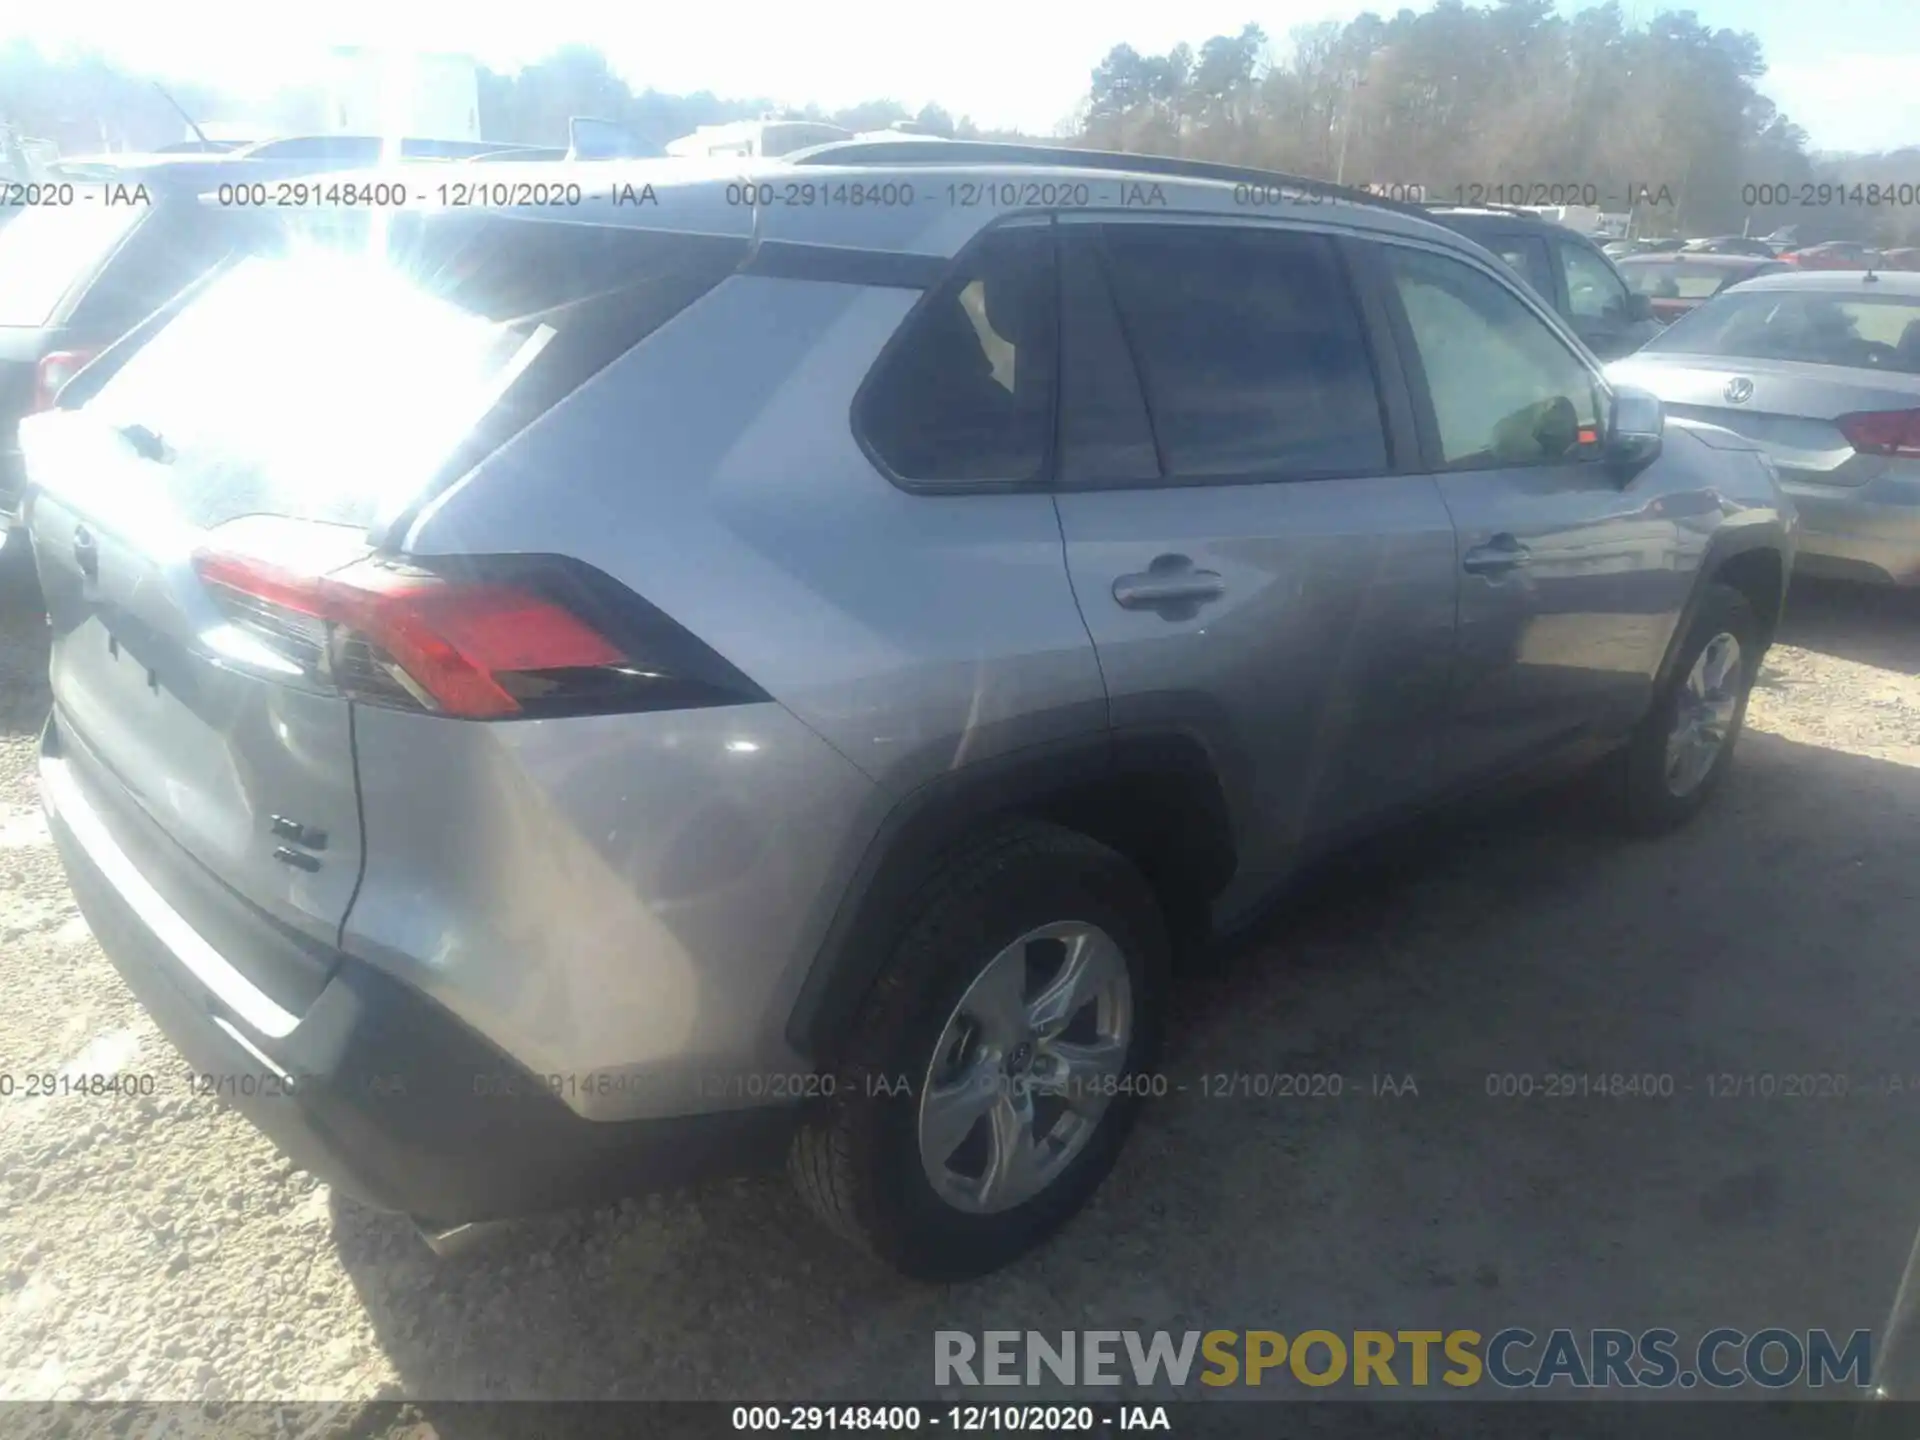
(371,91)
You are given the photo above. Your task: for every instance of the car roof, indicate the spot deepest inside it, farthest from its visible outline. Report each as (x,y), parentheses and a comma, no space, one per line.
(702,194)
(1884,282)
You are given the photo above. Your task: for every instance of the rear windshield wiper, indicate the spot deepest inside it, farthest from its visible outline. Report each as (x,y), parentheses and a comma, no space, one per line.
(148,445)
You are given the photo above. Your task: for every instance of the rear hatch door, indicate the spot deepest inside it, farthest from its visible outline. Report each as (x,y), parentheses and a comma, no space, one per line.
(170,719)
(307,397)
(174,745)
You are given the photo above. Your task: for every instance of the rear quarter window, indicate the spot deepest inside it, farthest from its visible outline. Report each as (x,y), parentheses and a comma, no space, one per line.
(964,392)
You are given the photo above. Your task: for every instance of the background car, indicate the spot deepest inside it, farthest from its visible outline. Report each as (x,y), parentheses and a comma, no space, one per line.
(1823,372)
(1904,257)
(1569,271)
(1729,245)
(1832,255)
(1674,283)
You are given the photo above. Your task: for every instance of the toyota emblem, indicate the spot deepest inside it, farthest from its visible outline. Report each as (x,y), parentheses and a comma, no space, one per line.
(1739,390)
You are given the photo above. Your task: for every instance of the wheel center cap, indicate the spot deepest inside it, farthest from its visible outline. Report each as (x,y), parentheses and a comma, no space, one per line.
(1020,1059)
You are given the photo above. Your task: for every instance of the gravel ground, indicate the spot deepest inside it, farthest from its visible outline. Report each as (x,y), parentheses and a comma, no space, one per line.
(157,1248)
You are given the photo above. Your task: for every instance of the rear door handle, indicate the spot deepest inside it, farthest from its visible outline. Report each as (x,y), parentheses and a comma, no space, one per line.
(1170,583)
(86,554)
(1499,555)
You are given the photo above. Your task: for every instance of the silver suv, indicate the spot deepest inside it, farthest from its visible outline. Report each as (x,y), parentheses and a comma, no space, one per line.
(557,698)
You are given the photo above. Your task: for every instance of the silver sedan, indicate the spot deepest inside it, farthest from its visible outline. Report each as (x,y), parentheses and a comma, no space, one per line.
(1823,371)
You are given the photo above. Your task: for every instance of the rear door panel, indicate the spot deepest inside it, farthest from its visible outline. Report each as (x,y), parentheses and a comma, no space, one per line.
(1316,674)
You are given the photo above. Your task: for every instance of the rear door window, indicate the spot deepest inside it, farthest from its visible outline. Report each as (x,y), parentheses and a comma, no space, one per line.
(965,391)
(1594,291)
(1528,255)
(325,378)
(1250,350)
(47,249)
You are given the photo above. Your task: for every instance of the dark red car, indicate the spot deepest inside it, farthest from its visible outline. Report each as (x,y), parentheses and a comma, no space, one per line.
(1675,284)
(1834,255)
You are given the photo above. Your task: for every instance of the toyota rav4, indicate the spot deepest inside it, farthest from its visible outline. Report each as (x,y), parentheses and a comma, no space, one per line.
(777,665)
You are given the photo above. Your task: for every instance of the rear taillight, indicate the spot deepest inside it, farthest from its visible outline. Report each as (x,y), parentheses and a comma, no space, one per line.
(55,369)
(1882,432)
(474,648)
(1791,257)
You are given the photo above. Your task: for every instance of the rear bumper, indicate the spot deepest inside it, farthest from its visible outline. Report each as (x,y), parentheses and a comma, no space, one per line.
(374,1088)
(1870,533)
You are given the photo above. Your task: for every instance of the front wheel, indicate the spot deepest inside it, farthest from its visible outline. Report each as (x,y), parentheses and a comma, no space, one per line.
(1680,752)
(999,1061)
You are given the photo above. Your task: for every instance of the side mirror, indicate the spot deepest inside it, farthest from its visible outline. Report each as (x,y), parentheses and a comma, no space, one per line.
(1636,425)
(1639,307)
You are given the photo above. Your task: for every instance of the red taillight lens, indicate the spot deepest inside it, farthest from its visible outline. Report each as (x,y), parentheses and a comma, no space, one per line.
(1882,432)
(55,369)
(1792,257)
(392,636)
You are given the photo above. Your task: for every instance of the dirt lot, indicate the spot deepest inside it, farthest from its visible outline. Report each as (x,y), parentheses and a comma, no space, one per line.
(158,1248)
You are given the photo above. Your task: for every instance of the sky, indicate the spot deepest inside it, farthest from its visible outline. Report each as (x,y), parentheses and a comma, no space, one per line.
(1844,71)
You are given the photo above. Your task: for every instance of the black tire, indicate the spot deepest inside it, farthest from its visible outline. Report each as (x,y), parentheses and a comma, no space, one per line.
(1636,777)
(857,1162)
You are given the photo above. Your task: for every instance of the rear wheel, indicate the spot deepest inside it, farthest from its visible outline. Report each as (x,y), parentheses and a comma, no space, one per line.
(1000,1059)
(1680,751)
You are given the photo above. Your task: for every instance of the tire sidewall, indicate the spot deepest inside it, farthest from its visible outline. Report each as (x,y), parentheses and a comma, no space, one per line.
(1651,803)
(946,954)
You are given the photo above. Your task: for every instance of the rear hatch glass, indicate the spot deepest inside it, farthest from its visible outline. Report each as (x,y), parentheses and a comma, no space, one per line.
(48,248)
(1814,327)
(312,386)
(336,375)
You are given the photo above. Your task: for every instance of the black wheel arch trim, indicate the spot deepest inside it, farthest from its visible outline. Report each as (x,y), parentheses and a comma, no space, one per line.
(923,825)
(1726,544)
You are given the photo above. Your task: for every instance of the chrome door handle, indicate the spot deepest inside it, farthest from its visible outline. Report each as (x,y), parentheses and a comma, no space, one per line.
(1170,582)
(1499,555)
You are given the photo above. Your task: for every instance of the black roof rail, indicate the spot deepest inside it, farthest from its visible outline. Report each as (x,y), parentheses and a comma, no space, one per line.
(996,152)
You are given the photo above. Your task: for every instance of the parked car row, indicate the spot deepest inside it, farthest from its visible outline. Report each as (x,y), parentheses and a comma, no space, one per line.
(587,703)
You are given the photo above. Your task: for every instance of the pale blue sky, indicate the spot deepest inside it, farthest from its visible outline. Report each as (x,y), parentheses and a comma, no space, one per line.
(1845,70)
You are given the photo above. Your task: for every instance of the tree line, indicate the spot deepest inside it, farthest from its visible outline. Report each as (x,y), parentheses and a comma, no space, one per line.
(1511,102)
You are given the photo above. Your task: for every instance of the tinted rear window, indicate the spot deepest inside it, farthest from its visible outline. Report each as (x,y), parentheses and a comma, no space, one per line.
(48,248)
(1821,328)
(965,393)
(334,376)
(1250,349)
